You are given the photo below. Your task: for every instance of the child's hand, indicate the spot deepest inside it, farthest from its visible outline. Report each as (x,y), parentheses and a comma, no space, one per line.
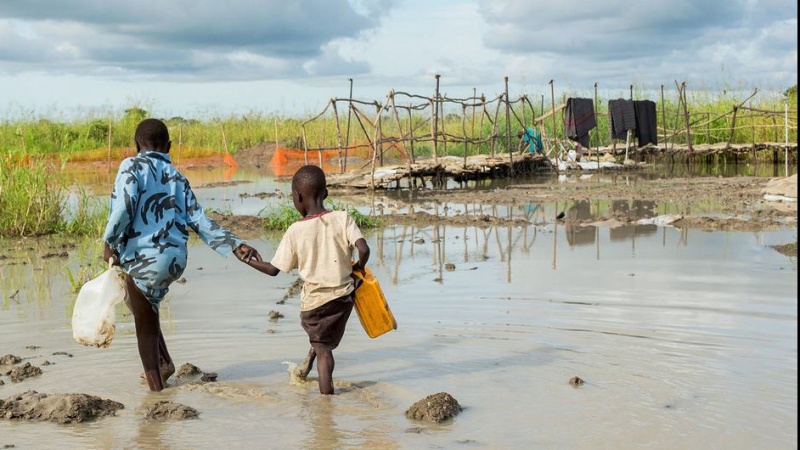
(245,253)
(358,267)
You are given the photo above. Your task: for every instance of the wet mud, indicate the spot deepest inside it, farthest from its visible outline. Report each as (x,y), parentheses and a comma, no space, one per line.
(165,410)
(57,408)
(434,408)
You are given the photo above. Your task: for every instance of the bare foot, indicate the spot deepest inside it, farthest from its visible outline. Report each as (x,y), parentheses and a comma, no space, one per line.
(167,370)
(302,370)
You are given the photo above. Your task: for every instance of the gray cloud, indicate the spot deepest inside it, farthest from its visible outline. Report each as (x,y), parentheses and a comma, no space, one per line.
(619,41)
(253,39)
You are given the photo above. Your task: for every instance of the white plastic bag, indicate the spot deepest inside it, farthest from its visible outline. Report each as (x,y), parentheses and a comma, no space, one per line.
(93,318)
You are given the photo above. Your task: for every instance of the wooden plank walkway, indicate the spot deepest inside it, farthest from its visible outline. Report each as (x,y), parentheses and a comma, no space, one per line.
(438,171)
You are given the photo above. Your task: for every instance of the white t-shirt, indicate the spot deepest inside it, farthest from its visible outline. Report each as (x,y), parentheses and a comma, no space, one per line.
(320,247)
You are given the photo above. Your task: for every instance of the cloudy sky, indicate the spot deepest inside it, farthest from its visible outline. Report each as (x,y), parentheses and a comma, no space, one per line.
(213,57)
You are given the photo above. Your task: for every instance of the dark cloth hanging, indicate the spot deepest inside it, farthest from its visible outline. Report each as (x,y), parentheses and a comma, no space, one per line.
(645,112)
(623,117)
(579,119)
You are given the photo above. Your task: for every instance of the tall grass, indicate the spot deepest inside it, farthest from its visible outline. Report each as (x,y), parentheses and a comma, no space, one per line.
(33,202)
(97,136)
(30,201)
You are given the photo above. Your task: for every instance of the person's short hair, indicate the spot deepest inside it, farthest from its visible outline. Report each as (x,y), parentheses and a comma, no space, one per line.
(310,179)
(152,134)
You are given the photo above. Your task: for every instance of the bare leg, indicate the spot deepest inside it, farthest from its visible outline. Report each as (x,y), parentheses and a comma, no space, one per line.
(325,365)
(304,368)
(148,330)
(165,361)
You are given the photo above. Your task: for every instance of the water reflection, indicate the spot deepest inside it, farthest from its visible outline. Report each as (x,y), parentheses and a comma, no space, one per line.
(584,224)
(671,330)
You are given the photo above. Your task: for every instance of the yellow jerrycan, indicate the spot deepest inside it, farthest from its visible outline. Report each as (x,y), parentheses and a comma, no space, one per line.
(371,306)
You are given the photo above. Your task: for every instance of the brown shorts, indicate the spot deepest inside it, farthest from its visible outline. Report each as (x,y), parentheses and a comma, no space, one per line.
(325,324)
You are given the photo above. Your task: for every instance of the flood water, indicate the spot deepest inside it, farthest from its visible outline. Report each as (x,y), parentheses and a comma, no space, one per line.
(685,339)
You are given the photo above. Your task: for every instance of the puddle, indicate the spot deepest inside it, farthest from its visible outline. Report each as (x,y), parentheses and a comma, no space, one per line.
(669,329)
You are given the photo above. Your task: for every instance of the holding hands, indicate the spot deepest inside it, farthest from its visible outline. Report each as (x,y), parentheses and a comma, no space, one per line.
(246,254)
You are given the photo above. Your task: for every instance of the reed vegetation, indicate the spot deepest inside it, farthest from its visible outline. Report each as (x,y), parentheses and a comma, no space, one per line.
(34,201)
(111,135)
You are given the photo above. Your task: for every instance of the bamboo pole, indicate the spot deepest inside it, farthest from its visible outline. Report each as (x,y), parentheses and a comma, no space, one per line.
(400,128)
(411,133)
(663,116)
(349,113)
(338,137)
(494,125)
(508,131)
(464,132)
(786,137)
(443,130)
(733,121)
(682,95)
(597,150)
(553,111)
(435,118)
(483,108)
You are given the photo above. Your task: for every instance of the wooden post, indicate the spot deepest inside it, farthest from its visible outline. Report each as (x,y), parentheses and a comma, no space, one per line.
(508,131)
(338,136)
(379,134)
(400,129)
(786,137)
(411,133)
(474,101)
(349,113)
(541,109)
(627,143)
(682,96)
(305,145)
(434,128)
(663,117)
(464,132)
(442,127)
(598,138)
(494,125)
(553,111)
(483,114)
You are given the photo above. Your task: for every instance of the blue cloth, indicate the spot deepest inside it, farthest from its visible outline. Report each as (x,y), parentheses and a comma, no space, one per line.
(534,140)
(152,209)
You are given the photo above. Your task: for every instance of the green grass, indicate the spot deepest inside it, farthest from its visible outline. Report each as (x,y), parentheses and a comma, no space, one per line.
(70,139)
(278,217)
(33,202)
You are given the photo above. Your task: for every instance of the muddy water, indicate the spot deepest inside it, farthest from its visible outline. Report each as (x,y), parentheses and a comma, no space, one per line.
(685,339)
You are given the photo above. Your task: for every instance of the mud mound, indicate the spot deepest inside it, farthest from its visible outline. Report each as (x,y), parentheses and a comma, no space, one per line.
(24,371)
(434,408)
(58,408)
(244,226)
(257,156)
(8,360)
(188,370)
(165,410)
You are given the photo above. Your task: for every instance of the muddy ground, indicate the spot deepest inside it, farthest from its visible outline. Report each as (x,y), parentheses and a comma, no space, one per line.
(738,203)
